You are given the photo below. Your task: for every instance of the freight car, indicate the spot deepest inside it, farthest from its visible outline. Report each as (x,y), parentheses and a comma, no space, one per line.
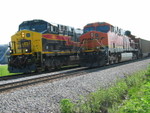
(39,45)
(144,47)
(103,43)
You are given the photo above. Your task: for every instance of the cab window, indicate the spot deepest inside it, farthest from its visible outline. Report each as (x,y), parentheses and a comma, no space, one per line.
(87,29)
(103,29)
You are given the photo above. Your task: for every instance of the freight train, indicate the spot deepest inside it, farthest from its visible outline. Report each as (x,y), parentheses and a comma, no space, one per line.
(39,45)
(103,43)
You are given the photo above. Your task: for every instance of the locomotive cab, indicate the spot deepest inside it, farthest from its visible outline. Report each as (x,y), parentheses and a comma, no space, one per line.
(103,27)
(25,46)
(94,43)
(95,36)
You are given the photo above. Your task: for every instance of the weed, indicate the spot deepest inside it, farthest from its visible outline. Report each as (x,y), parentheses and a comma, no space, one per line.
(112,99)
(66,106)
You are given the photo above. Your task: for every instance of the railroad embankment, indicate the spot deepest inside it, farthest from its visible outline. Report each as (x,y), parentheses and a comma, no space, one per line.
(128,95)
(45,97)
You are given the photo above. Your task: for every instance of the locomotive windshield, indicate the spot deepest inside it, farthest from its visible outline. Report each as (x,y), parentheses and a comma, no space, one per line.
(39,27)
(87,29)
(33,26)
(103,29)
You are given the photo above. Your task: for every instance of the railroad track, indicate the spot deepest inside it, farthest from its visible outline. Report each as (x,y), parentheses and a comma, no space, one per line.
(31,80)
(16,76)
(10,85)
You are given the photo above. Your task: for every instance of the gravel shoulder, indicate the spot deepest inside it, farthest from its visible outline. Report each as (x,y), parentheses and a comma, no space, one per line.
(45,97)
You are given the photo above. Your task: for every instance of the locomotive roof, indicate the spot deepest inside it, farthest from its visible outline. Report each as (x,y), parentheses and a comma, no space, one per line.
(35,20)
(97,24)
(42,21)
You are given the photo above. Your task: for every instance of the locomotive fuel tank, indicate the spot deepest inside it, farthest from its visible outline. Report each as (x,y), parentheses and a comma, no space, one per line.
(126,56)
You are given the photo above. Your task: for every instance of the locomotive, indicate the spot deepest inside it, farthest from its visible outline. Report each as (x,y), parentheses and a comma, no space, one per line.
(39,45)
(103,43)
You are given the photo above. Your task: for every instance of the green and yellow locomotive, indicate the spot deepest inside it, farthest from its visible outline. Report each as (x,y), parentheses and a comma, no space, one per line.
(39,46)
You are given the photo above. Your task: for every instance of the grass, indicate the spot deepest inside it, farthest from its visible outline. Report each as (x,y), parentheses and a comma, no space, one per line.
(125,96)
(4,71)
(138,99)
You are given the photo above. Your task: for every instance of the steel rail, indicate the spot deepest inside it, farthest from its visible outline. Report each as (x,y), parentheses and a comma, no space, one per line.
(40,79)
(50,77)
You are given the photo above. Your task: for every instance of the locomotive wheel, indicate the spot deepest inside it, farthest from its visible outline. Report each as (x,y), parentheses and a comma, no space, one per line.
(48,68)
(58,64)
(134,57)
(38,70)
(48,64)
(116,61)
(111,62)
(103,62)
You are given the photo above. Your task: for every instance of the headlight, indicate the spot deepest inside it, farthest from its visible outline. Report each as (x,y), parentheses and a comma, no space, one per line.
(26,50)
(22,34)
(11,51)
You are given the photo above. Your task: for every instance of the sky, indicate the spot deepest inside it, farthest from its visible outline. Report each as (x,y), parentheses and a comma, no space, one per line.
(130,15)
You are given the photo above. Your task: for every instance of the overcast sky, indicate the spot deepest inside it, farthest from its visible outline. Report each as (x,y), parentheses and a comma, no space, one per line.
(130,15)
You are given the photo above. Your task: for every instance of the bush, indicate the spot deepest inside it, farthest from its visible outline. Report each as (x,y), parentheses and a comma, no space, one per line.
(106,100)
(66,106)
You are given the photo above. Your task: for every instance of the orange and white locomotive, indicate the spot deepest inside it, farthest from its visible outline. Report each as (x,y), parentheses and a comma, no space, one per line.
(103,44)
